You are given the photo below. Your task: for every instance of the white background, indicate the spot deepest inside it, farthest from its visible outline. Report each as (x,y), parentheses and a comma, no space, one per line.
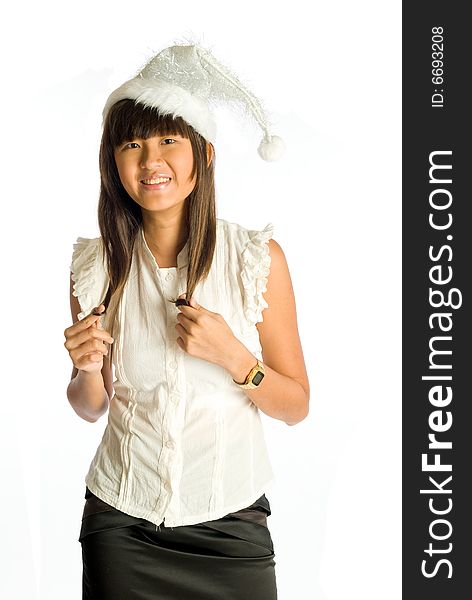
(329,72)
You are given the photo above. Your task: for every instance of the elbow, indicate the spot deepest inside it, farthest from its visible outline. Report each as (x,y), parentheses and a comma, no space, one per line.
(89,419)
(303,414)
(93,417)
(297,421)
(87,415)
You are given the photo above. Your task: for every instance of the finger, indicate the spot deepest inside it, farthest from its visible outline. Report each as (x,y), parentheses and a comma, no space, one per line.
(85,360)
(99,310)
(95,358)
(81,325)
(181,331)
(93,346)
(192,301)
(87,346)
(83,336)
(184,320)
(91,318)
(189,312)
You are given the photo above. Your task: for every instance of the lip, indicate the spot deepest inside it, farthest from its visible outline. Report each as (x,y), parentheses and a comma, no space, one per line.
(155,186)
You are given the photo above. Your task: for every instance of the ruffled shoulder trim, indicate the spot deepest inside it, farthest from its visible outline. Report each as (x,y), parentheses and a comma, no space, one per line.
(89,274)
(255,271)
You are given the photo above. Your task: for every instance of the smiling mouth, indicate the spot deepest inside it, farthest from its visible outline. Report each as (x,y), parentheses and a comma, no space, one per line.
(155,181)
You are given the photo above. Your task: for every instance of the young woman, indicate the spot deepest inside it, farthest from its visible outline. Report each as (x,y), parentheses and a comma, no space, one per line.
(201,327)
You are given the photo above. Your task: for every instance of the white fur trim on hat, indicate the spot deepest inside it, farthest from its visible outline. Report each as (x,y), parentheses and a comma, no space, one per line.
(170,100)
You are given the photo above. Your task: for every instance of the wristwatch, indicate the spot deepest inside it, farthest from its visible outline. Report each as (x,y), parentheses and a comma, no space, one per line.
(253,378)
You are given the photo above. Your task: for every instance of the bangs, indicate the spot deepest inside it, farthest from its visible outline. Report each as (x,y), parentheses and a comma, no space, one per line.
(128,120)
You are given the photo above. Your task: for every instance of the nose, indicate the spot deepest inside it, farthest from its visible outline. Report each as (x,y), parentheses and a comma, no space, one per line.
(151,158)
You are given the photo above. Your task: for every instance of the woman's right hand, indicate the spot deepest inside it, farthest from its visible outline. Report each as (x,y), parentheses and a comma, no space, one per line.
(86,342)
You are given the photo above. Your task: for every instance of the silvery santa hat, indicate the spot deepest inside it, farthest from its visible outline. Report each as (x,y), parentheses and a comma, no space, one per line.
(187,81)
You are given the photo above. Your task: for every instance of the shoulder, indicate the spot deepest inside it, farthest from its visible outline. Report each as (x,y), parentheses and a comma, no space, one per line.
(237,233)
(249,250)
(88,260)
(86,250)
(279,282)
(277,255)
(248,253)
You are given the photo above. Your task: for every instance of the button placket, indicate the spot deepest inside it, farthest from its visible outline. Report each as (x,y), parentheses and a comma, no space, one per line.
(171,459)
(171,358)
(170,284)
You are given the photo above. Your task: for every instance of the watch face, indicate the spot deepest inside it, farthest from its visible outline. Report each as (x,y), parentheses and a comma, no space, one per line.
(258,377)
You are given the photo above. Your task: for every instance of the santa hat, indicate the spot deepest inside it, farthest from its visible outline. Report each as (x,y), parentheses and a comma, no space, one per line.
(187,81)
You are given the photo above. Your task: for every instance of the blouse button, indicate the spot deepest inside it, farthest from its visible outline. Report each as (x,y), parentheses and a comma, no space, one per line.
(172,365)
(169,444)
(169,277)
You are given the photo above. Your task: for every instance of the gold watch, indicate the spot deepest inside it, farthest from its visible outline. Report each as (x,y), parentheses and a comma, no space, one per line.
(254,377)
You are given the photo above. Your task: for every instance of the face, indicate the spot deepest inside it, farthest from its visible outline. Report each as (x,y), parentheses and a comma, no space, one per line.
(156,172)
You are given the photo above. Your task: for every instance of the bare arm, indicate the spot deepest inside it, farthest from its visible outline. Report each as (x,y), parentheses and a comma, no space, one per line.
(284,392)
(89,393)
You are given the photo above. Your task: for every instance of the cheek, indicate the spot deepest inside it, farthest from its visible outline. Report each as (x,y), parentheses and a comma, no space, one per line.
(124,173)
(188,169)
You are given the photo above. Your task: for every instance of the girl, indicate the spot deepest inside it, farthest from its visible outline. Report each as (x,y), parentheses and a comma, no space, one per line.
(175,494)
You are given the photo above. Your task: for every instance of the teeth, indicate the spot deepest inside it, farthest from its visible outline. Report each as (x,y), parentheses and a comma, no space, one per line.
(158,180)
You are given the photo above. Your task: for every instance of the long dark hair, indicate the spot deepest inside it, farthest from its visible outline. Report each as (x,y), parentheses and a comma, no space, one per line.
(120,217)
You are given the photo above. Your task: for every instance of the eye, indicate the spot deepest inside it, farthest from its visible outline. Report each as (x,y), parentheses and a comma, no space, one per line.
(169,140)
(129,144)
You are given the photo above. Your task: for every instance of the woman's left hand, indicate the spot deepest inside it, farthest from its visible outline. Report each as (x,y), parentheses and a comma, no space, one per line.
(205,334)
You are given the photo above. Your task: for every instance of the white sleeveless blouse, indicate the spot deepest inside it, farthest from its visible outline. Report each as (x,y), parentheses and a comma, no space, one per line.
(183,443)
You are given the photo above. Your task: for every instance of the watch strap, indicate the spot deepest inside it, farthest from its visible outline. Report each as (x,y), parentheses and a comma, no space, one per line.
(254,377)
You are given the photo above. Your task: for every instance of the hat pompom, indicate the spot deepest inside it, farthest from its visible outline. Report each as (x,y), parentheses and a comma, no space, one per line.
(271,148)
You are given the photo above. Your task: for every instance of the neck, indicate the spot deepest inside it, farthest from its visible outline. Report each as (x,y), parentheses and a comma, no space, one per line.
(165,238)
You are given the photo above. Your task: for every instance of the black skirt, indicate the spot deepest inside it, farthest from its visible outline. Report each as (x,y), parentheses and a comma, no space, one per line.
(127,558)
